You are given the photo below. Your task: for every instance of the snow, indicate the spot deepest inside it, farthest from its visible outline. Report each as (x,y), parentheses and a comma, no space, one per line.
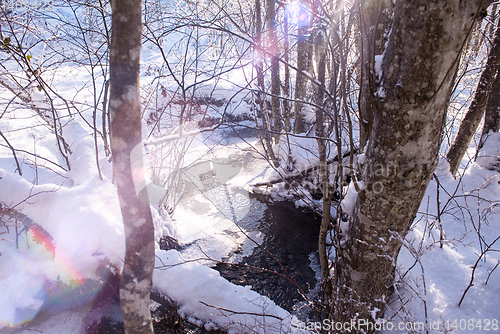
(81,213)
(349,201)
(302,151)
(86,228)
(378,66)
(201,290)
(21,293)
(381,92)
(488,157)
(83,217)
(444,274)
(85,222)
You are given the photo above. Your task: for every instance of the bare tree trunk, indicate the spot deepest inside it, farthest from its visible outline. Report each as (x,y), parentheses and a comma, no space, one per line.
(373,22)
(286,84)
(493,21)
(476,110)
(303,50)
(323,164)
(492,113)
(408,121)
(275,68)
(126,147)
(261,96)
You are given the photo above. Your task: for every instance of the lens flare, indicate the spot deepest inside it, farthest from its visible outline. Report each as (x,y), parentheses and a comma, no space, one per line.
(28,280)
(297,14)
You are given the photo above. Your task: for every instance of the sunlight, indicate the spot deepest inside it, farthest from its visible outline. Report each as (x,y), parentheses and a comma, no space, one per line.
(297,13)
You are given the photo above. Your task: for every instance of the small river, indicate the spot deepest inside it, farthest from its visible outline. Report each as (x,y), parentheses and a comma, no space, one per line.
(290,238)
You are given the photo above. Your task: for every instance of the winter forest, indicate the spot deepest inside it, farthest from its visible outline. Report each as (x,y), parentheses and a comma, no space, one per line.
(249,166)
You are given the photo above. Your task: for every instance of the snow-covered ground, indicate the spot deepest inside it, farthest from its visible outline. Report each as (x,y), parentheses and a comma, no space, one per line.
(63,228)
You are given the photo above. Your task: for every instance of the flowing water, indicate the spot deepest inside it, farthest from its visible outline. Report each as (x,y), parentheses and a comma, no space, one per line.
(283,263)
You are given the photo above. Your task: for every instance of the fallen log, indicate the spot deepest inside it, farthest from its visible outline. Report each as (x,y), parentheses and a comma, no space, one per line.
(300,175)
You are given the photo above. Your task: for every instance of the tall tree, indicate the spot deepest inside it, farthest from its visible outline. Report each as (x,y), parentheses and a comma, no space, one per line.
(275,68)
(492,113)
(304,49)
(136,279)
(261,96)
(409,111)
(320,42)
(286,83)
(477,107)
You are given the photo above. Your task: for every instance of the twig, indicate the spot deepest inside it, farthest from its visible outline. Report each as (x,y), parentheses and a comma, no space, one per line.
(39,157)
(13,153)
(491,272)
(440,227)
(245,313)
(471,283)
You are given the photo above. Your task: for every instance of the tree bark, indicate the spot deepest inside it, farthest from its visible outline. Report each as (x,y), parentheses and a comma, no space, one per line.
(492,113)
(419,69)
(126,147)
(286,84)
(275,69)
(374,20)
(323,164)
(303,50)
(477,107)
(261,96)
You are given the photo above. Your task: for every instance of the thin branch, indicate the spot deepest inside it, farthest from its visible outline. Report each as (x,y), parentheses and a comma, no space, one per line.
(13,153)
(471,283)
(245,313)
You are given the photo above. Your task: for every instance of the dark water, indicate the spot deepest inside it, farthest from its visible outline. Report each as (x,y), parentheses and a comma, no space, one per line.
(290,236)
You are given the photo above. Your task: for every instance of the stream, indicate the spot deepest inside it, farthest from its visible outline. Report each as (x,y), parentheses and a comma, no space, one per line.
(289,245)
(279,258)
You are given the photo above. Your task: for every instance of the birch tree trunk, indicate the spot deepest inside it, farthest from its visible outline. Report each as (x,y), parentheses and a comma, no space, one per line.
(419,69)
(477,108)
(126,148)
